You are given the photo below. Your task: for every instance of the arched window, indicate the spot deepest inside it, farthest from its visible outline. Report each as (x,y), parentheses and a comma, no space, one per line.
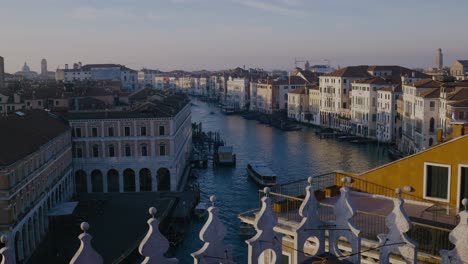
(111,151)
(285,96)
(128,150)
(431,125)
(144,150)
(95,151)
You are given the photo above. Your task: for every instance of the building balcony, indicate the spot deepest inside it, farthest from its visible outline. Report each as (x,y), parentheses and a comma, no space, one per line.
(370,214)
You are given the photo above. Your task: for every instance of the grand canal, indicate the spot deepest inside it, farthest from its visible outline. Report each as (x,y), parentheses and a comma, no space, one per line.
(292,155)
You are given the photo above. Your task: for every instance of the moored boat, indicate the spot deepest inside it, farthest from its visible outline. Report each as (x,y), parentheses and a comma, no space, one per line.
(261,174)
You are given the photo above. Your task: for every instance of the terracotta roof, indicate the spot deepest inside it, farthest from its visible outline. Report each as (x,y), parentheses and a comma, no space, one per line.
(351,71)
(458,94)
(394,88)
(463,103)
(373,80)
(432,93)
(24,135)
(426,83)
(300,90)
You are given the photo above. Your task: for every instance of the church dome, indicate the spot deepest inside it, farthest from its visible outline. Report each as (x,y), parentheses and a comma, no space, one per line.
(25,68)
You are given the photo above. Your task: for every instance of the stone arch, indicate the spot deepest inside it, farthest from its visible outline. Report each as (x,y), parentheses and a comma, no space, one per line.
(129,180)
(267,256)
(431,141)
(97,181)
(312,242)
(145,180)
(113,184)
(164,179)
(81,184)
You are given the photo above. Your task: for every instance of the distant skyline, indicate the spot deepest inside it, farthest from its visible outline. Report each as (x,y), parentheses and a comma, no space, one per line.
(222,34)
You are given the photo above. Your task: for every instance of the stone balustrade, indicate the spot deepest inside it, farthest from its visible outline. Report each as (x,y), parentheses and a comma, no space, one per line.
(266,246)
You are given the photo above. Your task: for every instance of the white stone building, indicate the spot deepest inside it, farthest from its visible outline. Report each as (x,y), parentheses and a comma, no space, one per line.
(101,72)
(237,94)
(146,149)
(298,104)
(147,78)
(364,106)
(388,125)
(272,95)
(421,112)
(313,116)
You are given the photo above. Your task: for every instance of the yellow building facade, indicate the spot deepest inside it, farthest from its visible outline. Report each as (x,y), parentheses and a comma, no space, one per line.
(436,175)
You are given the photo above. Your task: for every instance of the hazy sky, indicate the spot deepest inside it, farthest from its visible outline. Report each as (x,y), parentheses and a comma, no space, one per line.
(214,34)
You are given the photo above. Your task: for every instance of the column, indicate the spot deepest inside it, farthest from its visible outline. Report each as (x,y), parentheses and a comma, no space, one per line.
(137,181)
(46,219)
(121,183)
(105,183)
(43,219)
(88,182)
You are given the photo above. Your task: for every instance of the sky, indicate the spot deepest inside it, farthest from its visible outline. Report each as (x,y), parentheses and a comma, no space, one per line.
(221,34)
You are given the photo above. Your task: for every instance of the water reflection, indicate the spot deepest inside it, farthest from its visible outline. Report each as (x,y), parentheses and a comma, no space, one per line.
(292,155)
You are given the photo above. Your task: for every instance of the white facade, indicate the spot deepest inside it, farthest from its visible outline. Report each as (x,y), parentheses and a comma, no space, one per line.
(387,124)
(100,72)
(421,112)
(364,106)
(147,78)
(314,106)
(237,94)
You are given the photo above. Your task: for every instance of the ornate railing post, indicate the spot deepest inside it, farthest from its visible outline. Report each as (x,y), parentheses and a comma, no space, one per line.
(154,245)
(266,238)
(310,226)
(458,237)
(344,227)
(86,254)
(6,252)
(213,232)
(397,240)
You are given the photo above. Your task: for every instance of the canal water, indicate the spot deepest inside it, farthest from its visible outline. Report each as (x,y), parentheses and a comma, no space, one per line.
(292,155)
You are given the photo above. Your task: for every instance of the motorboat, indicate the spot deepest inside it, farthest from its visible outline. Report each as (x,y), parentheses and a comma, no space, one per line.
(261,174)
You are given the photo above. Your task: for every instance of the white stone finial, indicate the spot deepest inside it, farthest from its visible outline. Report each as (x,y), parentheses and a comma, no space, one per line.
(152,211)
(6,252)
(154,245)
(458,237)
(397,240)
(310,180)
(213,232)
(267,190)
(212,200)
(265,238)
(344,227)
(86,253)
(84,226)
(310,227)
(465,203)
(344,180)
(408,188)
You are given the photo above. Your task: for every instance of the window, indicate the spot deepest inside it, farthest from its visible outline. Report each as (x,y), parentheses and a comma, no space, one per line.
(128,151)
(436,181)
(79,152)
(461,115)
(143,131)
(95,151)
(111,151)
(144,150)
(110,131)
(127,131)
(344,91)
(56,102)
(161,130)
(78,132)
(94,132)
(162,150)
